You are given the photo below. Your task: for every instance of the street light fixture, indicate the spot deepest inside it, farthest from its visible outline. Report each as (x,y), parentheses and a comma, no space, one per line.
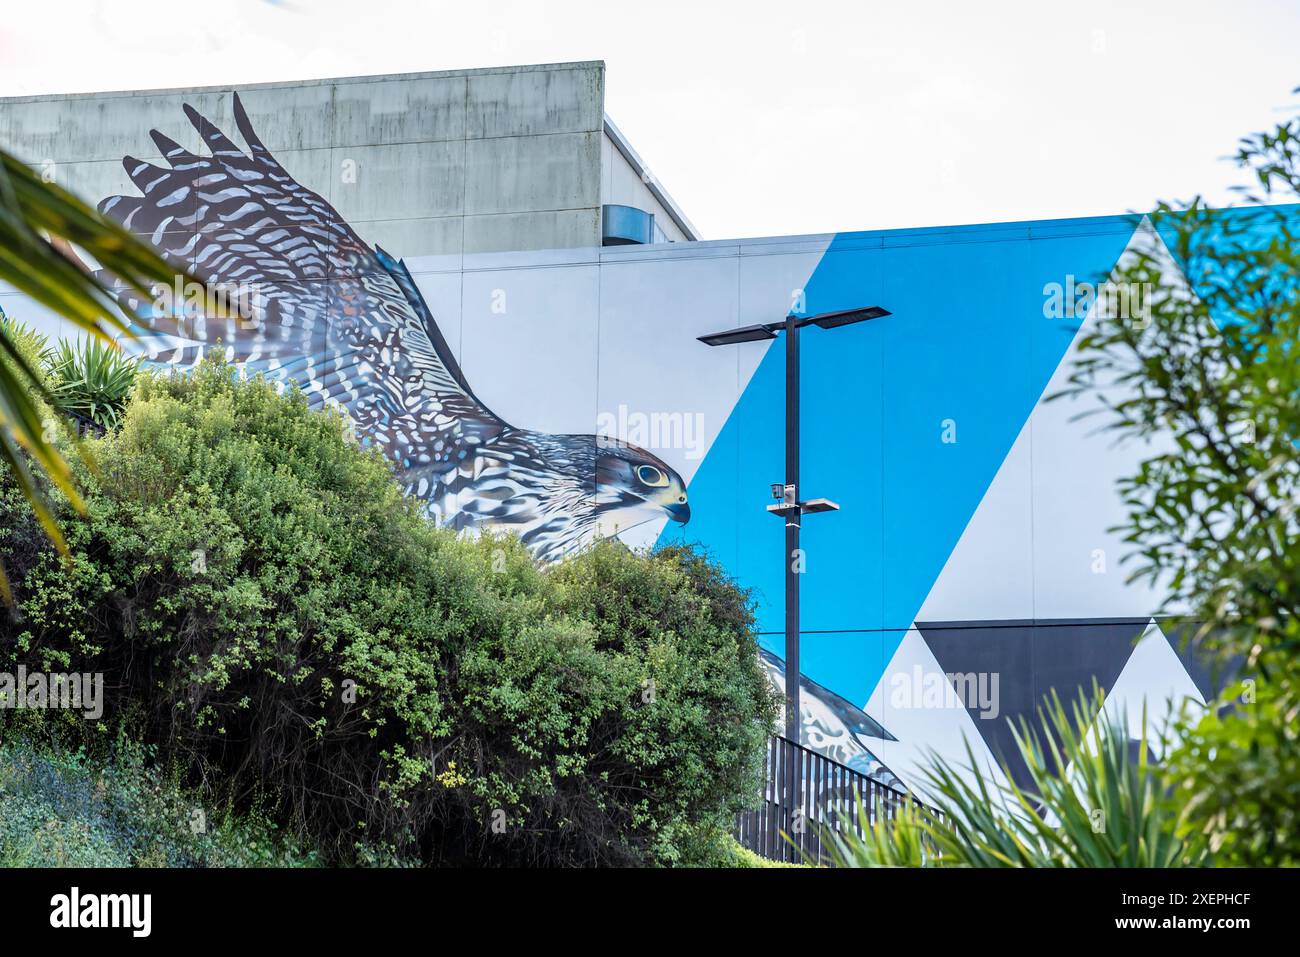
(743,334)
(788,505)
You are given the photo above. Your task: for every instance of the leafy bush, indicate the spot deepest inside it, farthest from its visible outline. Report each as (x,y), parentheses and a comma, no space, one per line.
(63,808)
(86,378)
(30,344)
(1235,780)
(265,603)
(632,711)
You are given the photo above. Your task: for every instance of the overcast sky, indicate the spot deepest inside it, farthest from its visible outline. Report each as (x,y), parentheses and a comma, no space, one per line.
(769,118)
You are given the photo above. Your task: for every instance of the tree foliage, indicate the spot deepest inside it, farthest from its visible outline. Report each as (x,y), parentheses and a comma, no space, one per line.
(1211,379)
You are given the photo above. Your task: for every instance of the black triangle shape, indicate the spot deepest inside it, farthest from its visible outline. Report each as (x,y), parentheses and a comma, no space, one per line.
(1207,673)
(1030,659)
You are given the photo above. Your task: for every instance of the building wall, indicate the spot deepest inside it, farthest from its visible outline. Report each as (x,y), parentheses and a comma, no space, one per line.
(973,536)
(973,531)
(449,162)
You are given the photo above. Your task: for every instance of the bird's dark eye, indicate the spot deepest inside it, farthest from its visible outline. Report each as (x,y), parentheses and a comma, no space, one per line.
(651,476)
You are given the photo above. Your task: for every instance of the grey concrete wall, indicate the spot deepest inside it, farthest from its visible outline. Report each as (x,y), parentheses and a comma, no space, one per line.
(465,161)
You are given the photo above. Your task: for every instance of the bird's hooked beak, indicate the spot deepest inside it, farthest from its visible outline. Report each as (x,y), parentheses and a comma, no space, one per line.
(631,477)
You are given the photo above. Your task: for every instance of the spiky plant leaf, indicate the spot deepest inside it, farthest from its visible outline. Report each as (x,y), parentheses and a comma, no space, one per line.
(1090,803)
(91,380)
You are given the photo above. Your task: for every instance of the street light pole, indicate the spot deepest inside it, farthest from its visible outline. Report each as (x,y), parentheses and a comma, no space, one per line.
(789,506)
(792,521)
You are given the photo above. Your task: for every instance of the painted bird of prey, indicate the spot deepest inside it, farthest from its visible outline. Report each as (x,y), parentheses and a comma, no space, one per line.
(349,326)
(832,725)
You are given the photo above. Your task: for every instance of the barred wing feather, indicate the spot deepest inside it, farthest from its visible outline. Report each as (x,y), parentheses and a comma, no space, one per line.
(345,322)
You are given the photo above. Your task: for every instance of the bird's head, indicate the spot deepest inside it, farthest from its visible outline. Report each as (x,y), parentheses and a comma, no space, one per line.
(628,477)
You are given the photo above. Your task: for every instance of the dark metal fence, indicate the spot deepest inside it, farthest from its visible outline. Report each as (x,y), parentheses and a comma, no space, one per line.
(805,794)
(85,426)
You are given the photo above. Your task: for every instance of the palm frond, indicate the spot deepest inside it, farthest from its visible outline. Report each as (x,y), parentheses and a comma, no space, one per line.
(41,227)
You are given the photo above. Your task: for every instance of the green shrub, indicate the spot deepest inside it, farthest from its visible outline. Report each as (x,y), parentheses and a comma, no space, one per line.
(631,710)
(266,604)
(64,808)
(30,344)
(1235,777)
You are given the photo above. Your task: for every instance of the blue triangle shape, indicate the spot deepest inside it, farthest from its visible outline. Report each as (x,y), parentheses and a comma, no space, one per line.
(968,351)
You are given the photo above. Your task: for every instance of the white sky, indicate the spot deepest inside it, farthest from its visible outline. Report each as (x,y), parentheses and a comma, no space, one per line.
(769,118)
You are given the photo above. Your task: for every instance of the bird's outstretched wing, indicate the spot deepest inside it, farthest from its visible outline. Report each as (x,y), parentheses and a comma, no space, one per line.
(832,725)
(300,297)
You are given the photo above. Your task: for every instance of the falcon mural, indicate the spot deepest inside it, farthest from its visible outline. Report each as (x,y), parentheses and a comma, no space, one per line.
(348,325)
(832,725)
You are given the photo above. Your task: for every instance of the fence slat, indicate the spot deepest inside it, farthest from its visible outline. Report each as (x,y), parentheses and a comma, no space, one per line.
(818,792)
